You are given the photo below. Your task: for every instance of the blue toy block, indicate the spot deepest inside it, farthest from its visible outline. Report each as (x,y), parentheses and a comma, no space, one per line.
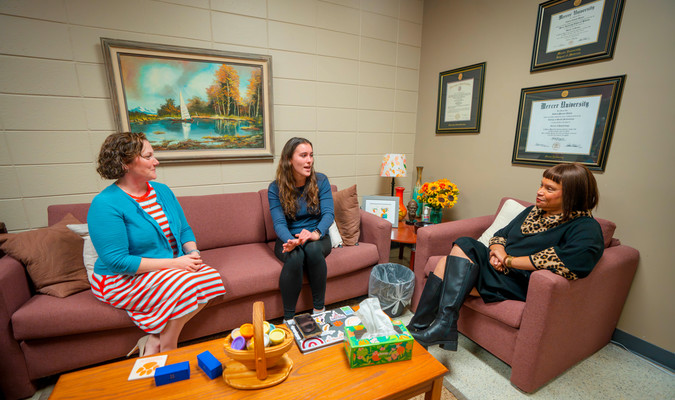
(172,373)
(210,364)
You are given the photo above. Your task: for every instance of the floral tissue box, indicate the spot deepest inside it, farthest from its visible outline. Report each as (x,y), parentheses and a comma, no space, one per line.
(377,350)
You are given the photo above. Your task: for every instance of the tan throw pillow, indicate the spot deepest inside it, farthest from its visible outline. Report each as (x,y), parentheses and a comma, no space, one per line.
(347,217)
(52,256)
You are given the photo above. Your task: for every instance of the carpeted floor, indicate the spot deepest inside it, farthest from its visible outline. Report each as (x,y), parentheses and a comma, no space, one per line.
(611,373)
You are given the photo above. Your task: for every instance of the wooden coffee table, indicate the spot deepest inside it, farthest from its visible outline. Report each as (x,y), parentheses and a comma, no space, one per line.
(324,374)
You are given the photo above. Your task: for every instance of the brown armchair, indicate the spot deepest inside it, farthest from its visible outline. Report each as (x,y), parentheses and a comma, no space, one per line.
(561,322)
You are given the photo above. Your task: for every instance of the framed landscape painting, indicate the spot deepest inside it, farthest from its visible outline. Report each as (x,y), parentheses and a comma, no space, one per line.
(192,104)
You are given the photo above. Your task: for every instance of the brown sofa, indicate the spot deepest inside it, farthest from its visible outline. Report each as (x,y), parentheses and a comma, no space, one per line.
(561,322)
(41,335)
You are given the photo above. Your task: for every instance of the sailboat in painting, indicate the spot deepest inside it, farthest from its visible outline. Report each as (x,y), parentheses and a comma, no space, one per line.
(184,113)
(185,117)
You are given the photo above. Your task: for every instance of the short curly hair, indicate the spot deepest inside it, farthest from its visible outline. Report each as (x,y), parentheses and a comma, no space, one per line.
(118,150)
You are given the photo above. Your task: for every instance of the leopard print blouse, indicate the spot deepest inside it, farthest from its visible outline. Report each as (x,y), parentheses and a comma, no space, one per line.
(537,222)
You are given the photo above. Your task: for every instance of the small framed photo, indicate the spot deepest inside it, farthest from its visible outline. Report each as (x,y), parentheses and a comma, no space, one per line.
(572,32)
(385,207)
(460,99)
(567,122)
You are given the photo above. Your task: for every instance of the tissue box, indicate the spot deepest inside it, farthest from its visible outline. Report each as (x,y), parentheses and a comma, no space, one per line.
(172,373)
(377,350)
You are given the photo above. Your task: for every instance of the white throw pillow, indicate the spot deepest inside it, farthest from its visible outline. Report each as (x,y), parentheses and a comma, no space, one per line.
(509,211)
(89,253)
(334,233)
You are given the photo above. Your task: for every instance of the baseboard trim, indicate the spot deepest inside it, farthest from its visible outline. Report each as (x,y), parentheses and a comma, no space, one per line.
(645,349)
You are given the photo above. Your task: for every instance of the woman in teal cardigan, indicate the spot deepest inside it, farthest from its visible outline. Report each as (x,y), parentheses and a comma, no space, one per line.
(148,262)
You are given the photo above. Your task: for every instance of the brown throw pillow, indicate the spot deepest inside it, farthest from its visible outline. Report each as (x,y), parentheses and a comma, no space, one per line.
(347,217)
(52,256)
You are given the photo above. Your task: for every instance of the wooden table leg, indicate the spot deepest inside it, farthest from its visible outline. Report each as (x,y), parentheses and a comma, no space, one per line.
(436,387)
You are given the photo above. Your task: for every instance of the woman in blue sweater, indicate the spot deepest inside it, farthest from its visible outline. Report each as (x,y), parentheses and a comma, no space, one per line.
(301,205)
(148,261)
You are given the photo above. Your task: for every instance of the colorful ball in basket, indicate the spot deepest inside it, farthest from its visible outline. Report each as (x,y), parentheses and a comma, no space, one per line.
(246,331)
(277,336)
(238,343)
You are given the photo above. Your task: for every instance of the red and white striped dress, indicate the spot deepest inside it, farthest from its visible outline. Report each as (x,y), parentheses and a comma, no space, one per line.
(153,298)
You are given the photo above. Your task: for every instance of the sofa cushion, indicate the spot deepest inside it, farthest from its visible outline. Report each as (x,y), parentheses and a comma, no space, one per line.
(347,217)
(246,270)
(270,234)
(344,260)
(52,256)
(221,220)
(608,228)
(509,312)
(49,317)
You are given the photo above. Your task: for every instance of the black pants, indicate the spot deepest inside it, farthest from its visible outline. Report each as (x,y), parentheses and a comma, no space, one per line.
(310,258)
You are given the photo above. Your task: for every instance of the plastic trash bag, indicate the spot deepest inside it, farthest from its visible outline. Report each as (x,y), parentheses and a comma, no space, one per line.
(393,285)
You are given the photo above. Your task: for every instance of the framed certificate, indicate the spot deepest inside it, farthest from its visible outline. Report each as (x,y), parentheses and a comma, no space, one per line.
(460,99)
(568,122)
(574,32)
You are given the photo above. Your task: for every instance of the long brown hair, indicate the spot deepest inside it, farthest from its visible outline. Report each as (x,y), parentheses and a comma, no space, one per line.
(288,195)
(580,190)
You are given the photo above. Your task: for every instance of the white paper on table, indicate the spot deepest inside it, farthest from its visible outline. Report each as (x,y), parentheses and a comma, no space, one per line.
(145,367)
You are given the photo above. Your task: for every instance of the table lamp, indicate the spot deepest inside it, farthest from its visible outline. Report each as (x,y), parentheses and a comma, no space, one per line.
(393,165)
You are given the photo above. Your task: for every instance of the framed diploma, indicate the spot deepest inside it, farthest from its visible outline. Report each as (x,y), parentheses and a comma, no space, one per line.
(568,122)
(574,32)
(460,99)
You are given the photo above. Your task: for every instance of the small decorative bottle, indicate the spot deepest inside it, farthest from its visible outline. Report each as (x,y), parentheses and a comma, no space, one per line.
(401,206)
(426,214)
(416,190)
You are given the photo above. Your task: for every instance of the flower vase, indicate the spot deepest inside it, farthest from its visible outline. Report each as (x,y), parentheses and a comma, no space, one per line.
(401,206)
(436,215)
(416,191)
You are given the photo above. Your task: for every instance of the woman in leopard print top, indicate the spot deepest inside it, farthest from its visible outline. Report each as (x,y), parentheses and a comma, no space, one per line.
(558,233)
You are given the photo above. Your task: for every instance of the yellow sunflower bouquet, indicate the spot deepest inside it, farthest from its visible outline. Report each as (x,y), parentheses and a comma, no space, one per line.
(439,194)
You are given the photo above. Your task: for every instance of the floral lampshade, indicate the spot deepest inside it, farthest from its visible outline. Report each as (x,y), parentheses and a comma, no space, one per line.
(393,165)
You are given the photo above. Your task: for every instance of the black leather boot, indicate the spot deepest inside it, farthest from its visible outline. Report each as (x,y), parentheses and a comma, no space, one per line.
(460,278)
(427,308)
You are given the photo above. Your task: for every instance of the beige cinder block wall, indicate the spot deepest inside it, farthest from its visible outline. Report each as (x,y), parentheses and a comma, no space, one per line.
(345,75)
(636,189)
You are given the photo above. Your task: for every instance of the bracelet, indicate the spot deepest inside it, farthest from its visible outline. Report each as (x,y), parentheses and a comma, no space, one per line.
(317,231)
(508,261)
(192,251)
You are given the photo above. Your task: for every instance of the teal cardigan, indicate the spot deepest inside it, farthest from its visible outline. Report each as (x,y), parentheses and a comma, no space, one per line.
(123,233)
